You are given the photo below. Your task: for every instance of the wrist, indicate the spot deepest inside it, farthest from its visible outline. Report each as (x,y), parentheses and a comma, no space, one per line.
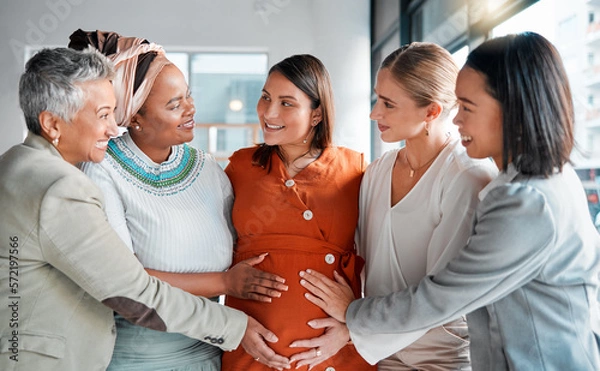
(224,282)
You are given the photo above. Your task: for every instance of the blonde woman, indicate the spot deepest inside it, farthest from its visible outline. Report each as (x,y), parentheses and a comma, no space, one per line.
(417,203)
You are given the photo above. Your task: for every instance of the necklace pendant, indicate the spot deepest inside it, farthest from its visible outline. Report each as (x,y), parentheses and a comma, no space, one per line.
(412,173)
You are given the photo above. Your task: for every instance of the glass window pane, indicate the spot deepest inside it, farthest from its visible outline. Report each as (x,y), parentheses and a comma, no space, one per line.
(385,14)
(378,147)
(226,88)
(181,60)
(440,21)
(540,17)
(460,56)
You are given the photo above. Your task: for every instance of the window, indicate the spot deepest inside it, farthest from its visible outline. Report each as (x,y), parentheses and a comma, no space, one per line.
(396,23)
(460,56)
(225,88)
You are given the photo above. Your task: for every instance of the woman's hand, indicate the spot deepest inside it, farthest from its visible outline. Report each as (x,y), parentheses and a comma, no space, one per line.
(254,343)
(321,348)
(243,281)
(333,297)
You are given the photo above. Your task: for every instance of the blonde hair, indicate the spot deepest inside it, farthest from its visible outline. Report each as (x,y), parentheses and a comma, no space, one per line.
(426,71)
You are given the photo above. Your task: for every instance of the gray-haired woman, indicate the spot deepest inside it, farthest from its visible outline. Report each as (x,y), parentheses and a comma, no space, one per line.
(63,269)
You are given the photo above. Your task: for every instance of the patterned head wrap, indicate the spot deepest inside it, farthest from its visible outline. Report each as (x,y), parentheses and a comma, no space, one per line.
(137,64)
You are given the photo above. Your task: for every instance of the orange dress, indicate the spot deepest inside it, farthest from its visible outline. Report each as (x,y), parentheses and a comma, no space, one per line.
(303,222)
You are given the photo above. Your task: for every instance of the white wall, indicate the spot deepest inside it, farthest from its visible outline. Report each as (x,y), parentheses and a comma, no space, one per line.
(336,31)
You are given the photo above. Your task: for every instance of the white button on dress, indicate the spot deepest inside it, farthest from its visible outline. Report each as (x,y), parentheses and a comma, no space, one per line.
(308,215)
(289,183)
(329,258)
(330,369)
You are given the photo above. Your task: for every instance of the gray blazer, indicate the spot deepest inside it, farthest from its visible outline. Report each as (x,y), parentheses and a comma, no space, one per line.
(528,277)
(63,271)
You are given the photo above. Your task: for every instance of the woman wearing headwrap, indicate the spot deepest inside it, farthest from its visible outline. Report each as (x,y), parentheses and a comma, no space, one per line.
(169,202)
(67,271)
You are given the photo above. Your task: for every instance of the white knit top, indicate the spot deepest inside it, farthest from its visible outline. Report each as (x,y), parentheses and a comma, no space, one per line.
(175,216)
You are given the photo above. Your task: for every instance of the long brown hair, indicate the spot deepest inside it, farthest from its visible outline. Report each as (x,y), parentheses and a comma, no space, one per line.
(308,74)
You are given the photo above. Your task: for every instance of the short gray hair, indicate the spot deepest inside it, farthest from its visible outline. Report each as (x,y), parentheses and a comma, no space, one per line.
(50,82)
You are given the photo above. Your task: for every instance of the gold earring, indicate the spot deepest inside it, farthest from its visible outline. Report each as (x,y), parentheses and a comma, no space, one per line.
(426,131)
(308,135)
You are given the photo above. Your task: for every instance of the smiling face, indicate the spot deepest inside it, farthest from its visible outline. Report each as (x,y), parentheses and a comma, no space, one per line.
(86,137)
(285,112)
(479,117)
(167,117)
(397,114)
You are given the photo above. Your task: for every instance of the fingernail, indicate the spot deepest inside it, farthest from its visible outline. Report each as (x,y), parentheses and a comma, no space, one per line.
(309,271)
(301,273)
(311,324)
(303,282)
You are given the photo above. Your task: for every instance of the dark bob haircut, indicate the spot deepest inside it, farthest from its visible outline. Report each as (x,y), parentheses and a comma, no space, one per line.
(525,74)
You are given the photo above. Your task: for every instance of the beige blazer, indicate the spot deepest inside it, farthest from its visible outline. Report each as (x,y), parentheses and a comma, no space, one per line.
(63,271)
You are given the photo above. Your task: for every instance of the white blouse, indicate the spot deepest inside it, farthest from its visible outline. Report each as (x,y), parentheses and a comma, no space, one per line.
(175,216)
(417,236)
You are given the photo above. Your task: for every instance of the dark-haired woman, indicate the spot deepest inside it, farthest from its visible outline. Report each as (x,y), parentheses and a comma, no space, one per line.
(528,276)
(296,198)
